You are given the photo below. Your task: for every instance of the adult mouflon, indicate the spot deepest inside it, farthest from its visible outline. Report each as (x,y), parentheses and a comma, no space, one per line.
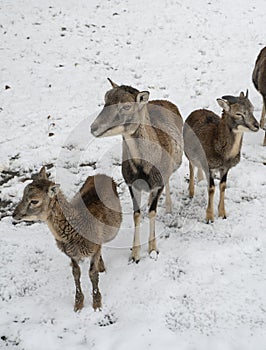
(152,148)
(213,144)
(259,81)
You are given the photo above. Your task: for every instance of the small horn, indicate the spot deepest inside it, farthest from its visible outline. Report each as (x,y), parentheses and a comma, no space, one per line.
(114,85)
(247,93)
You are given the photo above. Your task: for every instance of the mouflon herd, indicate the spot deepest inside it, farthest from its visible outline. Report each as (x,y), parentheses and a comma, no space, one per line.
(154,139)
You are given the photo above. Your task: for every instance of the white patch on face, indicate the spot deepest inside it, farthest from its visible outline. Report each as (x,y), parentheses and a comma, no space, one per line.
(241,129)
(118,130)
(31,218)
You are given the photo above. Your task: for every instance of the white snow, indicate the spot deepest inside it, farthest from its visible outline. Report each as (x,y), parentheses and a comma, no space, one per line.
(207,288)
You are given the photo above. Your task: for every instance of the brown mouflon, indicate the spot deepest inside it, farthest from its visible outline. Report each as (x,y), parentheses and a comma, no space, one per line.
(152,148)
(259,80)
(80,226)
(213,144)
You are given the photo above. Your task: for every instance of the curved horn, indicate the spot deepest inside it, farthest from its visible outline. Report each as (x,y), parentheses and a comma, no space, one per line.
(114,85)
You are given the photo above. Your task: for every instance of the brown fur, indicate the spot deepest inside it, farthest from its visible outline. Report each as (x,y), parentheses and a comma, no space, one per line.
(215,140)
(99,201)
(171,107)
(214,144)
(259,80)
(81,226)
(152,147)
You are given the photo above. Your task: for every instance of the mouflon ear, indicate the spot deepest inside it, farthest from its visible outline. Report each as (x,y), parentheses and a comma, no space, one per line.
(41,175)
(114,85)
(143,97)
(53,190)
(224,104)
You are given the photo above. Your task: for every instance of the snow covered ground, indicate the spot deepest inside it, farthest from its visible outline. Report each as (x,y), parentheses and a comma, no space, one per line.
(207,288)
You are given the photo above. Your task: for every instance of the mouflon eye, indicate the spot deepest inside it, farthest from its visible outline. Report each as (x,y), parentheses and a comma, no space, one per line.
(126,107)
(34,202)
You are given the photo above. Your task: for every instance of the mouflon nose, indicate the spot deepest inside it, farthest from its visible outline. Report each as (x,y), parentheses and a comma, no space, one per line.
(257,125)
(93,128)
(16,215)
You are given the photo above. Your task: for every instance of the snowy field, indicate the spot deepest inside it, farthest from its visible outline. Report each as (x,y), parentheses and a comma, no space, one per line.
(207,290)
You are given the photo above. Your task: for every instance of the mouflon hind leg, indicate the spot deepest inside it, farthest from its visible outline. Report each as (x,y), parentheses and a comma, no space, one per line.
(101,267)
(191,181)
(154,197)
(211,191)
(94,277)
(168,201)
(79,297)
(221,206)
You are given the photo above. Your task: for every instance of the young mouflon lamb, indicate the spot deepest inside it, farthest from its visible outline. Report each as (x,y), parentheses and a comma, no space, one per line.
(80,226)
(213,144)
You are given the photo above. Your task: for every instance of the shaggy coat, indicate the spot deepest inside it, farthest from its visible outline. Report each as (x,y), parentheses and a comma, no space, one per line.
(80,226)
